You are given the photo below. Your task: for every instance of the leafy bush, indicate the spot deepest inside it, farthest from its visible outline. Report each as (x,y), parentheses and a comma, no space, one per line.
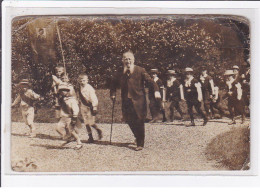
(94,44)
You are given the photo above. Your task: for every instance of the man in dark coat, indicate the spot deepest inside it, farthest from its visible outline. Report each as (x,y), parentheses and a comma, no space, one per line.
(132,83)
(155,105)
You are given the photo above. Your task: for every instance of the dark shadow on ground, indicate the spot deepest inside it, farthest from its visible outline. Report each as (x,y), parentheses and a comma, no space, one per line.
(105,143)
(52,147)
(116,144)
(19,135)
(44,136)
(40,136)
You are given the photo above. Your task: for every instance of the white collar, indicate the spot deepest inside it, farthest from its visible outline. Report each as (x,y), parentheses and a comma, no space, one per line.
(188,81)
(173,79)
(206,75)
(131,69)
(155,79)
(82,87)
(229,82)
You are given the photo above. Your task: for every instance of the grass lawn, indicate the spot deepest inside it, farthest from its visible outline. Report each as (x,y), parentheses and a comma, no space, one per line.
(231,148)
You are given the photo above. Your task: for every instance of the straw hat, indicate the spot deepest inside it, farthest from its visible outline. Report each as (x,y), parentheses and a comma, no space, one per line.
(154,71)
(229,72)
(188,69)
(171,72)
(24,82)
(235,67)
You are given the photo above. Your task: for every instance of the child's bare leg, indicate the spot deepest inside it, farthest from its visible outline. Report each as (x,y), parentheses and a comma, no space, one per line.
(79,144)
(32,130)
(75,134)
(90,136)
(99,131)
(67,131)
(60,127)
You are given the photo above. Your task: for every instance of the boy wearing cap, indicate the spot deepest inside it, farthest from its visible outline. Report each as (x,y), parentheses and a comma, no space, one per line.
(193,95)
(207,86)
(155,104)
(237,76)
(88,106)
(26,98)
(174,93)
(234,94)
(68,113)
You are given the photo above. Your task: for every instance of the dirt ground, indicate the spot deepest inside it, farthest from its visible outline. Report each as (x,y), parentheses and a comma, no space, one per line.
(167,148)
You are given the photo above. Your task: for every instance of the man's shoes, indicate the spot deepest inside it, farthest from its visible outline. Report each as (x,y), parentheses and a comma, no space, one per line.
(138,148)
(232,122)
(205,122)
(192,124)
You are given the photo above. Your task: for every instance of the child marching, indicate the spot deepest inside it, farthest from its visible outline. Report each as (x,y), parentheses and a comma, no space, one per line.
(193,96)
(88,106)
(174,94)
(27,97)
(68,113)
(234,95)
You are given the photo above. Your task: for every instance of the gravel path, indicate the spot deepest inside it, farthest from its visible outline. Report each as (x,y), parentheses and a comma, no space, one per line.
(167,148)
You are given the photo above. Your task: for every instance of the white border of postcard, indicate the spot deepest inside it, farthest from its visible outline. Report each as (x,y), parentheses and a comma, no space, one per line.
(13,9)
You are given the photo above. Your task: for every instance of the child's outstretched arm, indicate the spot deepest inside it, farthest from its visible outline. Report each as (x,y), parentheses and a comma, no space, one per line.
(35,96)
(16,101)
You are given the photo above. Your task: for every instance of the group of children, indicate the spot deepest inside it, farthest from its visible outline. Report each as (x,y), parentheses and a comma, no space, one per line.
(68,105)
(195,91)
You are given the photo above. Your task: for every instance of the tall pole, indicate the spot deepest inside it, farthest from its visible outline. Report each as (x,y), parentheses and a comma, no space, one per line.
(113,106)
(62,53)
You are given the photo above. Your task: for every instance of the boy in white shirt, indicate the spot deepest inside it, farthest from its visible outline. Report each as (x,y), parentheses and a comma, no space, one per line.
(88,106)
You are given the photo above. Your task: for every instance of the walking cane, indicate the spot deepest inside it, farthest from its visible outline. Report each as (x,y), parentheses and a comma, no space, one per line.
(112,119)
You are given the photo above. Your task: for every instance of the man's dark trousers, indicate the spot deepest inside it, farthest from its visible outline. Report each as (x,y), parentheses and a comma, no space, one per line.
(136,124)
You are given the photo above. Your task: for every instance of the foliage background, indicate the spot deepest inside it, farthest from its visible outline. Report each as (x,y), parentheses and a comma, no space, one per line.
(94,44)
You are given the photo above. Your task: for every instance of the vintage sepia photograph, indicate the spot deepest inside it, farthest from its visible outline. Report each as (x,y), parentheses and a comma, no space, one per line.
(130,93)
